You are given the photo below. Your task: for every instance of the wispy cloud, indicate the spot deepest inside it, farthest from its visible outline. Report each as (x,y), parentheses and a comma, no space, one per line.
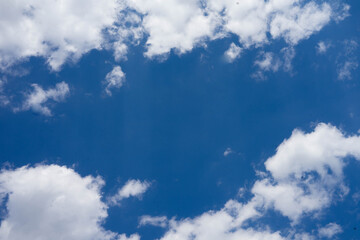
(347,61)
(37,100)
(157,221)
(132,188)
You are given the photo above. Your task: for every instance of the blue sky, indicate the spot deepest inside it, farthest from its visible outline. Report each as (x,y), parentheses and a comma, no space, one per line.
(179,120)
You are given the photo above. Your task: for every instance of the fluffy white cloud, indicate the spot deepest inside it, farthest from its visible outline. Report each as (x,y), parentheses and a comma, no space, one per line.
(330,230)
(114,79)
(37,99)
(182,25)
(307,171)
(55,30)
(296,22)
(65,30)
(232,53)
(223,224)
(53,202)
(175,24)
(132,188)
(304,176)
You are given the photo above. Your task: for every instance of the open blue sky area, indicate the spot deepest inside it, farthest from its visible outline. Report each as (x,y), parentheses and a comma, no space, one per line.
(179,120)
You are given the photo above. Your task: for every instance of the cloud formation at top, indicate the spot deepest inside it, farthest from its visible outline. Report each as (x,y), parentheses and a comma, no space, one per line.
(61,31)
(54,30)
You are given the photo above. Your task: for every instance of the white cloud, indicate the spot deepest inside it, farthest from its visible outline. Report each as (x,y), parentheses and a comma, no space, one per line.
(268,61)
(341,12)
(55,30)
(131,237)
(288,55)
(330,230)
(227,151)
(158,221)
(347,61)
(53,202)
(232,53)
(303,236)
(114,79)
(183,25)
(4,100)
(345,70)
(295,23)
(304,176)
(175,24)
(356,197)
(66,30)
(322,47)
(37,100)
(127,31)
(132,188)
(223,224)
(307,171)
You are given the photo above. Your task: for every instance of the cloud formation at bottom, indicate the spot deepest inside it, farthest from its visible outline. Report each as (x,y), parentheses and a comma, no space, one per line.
(53,202)
(304,177)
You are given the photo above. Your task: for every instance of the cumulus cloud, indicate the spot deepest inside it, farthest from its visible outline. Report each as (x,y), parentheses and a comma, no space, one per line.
(307,171)
(53,202)
(176,24)
(222,224)
(296,22)
(114,79)
(54,30)
(132,188)
(304,176)
(37,100)
(182,25)
(66,30)
(232,53)
(330,230)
